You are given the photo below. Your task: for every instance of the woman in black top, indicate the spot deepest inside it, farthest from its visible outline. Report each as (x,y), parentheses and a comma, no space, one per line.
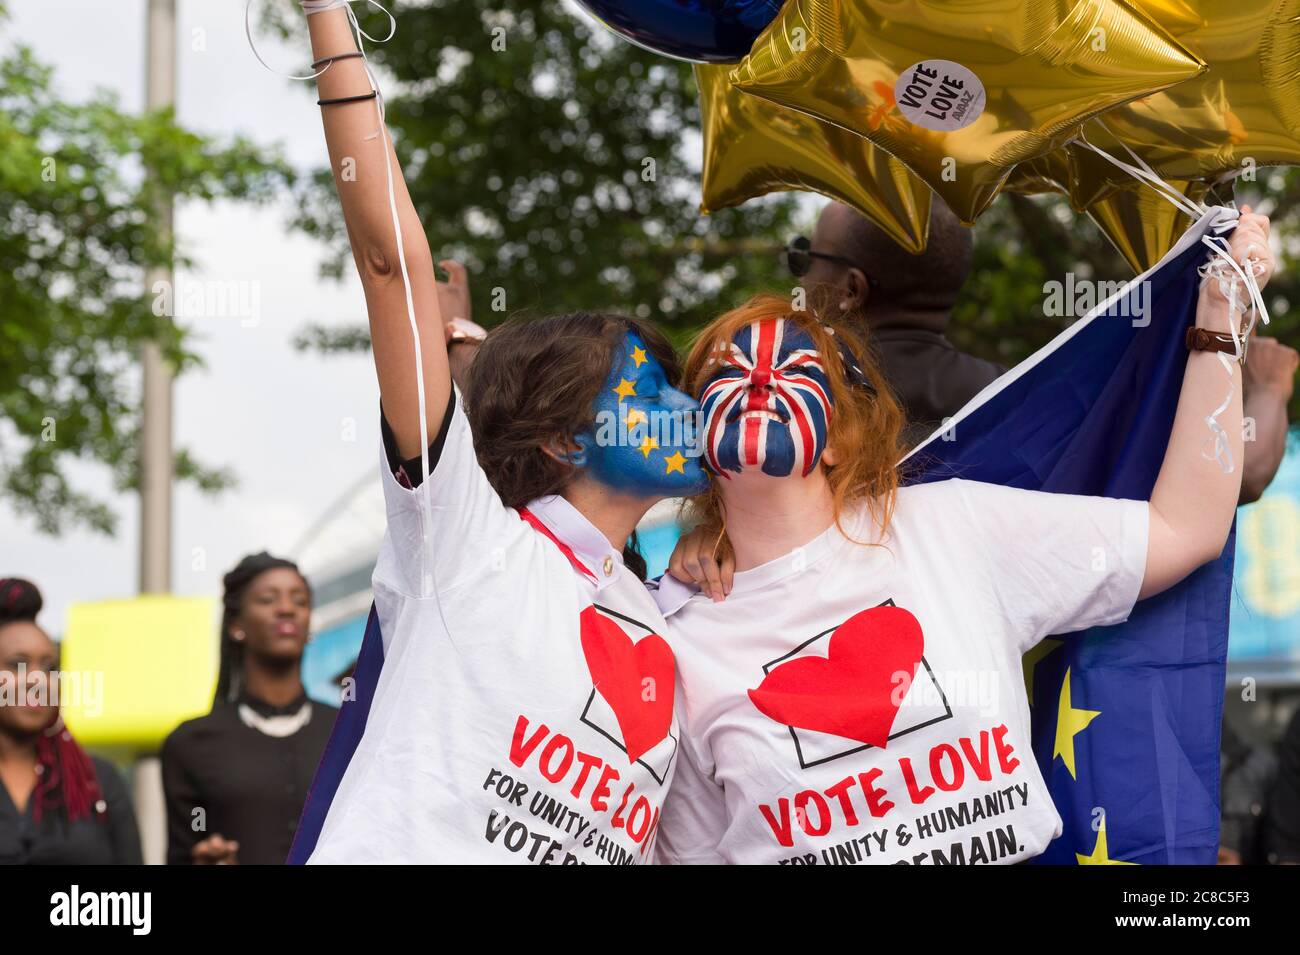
(236,779)
(58,806)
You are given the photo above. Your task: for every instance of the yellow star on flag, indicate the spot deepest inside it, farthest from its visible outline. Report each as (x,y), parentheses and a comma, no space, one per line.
(1069,723)
(625,389)
(634,417)
(1100,852)
(639,356)
(675,462)
(648,445)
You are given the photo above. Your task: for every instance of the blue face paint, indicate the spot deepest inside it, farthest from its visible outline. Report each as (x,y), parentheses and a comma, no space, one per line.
(768,404)
(644,440)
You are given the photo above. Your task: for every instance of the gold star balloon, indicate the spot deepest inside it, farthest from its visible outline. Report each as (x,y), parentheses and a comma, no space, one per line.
(1142,224)
(1176,16)
(1134,217)
(1243,112)
(1049,172)
(753,147)
(961,90)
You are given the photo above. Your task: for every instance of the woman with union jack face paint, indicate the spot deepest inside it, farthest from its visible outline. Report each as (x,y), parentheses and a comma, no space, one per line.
(854,693)
(768,403)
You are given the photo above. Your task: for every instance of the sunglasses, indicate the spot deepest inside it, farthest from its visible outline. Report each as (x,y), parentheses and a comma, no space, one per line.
(799,257)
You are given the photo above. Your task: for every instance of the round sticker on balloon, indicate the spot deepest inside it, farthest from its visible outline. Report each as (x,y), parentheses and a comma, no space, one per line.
(940,95)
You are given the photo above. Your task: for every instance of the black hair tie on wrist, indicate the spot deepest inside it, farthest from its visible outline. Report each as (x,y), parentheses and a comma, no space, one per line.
(347,99)
(340,56)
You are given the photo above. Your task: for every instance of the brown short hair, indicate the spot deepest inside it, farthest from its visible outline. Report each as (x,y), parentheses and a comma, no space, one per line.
(536,380)
(865,429)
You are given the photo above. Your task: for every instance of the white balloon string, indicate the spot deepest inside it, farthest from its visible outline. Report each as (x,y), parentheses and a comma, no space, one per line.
(311,8)
(1221,268)
(1139,170)
(1231,277)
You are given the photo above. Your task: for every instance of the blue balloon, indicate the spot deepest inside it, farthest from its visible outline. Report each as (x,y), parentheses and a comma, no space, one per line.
(702,31)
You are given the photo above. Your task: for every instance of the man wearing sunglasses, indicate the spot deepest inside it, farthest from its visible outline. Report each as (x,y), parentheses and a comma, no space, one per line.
(905,302)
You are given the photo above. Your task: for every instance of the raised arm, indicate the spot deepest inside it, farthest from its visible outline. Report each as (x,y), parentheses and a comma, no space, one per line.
(359,147)
(1194,499)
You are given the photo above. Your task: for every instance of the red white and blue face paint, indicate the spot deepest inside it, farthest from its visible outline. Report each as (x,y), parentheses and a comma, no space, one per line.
(768,404)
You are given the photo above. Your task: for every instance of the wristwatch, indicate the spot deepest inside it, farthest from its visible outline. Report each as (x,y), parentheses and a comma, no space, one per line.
(1202,339)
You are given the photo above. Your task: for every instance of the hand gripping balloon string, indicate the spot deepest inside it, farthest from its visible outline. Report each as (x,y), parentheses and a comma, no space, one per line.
(1231,277)
(1221,268)
(311,8)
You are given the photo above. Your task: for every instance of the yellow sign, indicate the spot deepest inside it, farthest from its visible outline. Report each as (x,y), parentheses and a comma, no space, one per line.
(132,670)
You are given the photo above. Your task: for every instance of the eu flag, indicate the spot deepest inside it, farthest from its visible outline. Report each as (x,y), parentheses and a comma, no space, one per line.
(349,727)
(1125,718)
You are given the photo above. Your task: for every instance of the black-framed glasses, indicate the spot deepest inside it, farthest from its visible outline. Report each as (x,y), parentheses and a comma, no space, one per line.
(799,257)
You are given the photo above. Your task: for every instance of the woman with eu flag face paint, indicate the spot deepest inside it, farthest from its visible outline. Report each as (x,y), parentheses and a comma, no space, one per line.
(524,709)
(856,696)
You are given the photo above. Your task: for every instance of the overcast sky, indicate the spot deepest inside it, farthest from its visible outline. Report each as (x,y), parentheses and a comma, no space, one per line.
(274,415)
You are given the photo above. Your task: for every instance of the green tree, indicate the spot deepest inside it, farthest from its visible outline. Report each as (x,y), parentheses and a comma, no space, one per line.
(75,237)
(554,160)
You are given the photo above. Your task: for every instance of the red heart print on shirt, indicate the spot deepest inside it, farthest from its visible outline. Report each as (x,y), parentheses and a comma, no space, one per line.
(636,680)
(856,689)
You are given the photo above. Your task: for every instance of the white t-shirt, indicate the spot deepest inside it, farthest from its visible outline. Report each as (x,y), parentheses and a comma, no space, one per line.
(857,704)
(524,712)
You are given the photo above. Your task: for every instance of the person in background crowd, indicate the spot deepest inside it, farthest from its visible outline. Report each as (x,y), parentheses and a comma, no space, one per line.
(1246,776)
(58,805)
(462,334)
(1268,379)
(1282,821)
(235,780)
(907,301)
(904,302)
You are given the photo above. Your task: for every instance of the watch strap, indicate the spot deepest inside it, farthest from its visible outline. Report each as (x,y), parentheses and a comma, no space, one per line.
(1202,339)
